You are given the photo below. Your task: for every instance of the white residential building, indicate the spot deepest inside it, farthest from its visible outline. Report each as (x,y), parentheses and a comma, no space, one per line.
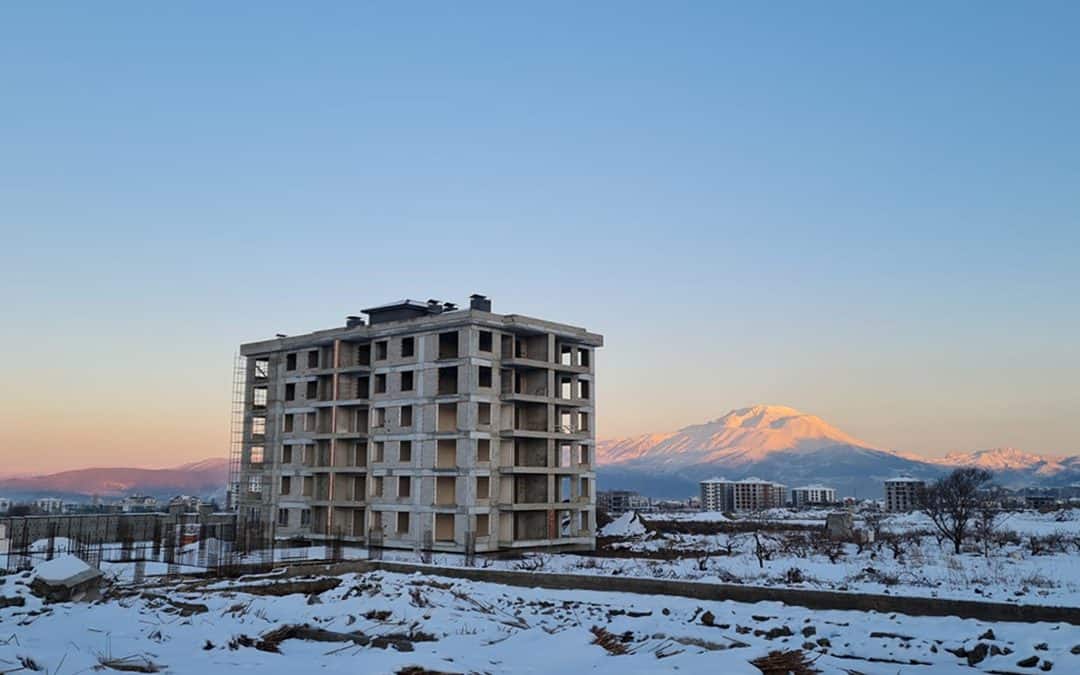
(902,493)
(748,494)
(812,495)
(50,504)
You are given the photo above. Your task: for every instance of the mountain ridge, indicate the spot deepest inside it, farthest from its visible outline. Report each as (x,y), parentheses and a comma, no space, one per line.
(792,447)
(203,478)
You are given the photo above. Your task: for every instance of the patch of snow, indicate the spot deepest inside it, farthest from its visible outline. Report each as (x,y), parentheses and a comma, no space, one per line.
(628,524)
(60,568)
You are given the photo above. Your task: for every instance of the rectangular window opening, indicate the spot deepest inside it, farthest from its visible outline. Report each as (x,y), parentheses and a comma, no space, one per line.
(405,451)
(448,345)
(485,341)
(408,347)
(483,376)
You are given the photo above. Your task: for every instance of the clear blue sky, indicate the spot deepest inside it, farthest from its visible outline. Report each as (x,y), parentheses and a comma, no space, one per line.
(868,211)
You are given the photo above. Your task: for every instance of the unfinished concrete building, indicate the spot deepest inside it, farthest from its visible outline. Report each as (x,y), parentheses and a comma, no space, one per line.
(426,427)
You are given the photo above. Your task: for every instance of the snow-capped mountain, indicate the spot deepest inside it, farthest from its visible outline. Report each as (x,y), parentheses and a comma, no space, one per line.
(1004,459)
(785,445)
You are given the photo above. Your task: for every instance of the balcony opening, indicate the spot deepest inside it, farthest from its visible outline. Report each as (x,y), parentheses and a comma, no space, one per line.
(566,422)
(562,487)
(290,392)
(584,387)
(448,345)
(286,454)
(380,383)
(310,420)
(283,517)
(445,491)
(483,376)
(256,454)
(262,369)
(381,349)
(566,355)
(312,392)
(362,386)
(407,382)
(444,527)
(377,486)
(566,387)
(290,362)
(403,522)
(404,487)
(564,454)
(380,418)
(531,417)
(448,380)
(530,452)
(406,416)
(405,451)
(446,454)
(379,451)
(258,426)
(483,414)
(363,354)
(583,357)
(530,525)
(507,344)
(583,490)
(309,486)
(583,454)
(485,341)
(259,396)
(532,383)
(313,358)
(483,487)
(583,421)
(289,422)
(309,455)
(408,347)
(530,489)
(483,526)
(447,418)
(483,450)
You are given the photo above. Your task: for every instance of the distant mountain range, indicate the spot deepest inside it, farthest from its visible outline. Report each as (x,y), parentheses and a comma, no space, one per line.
(791,447)
(203,479)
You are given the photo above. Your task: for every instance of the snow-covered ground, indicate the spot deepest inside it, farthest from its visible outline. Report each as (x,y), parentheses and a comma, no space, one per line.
(901,562)
(385,623)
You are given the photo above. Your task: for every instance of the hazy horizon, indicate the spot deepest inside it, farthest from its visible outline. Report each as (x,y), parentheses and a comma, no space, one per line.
(868,213)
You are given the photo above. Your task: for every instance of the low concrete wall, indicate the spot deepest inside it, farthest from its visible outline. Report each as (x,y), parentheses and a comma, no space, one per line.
(863,602)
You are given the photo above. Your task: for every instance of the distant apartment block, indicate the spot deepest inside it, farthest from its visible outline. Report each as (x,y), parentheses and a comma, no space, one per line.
(50,504)
(5,504)
(748,494)
(618,502)
(426,426)
(812,495)
(902,493)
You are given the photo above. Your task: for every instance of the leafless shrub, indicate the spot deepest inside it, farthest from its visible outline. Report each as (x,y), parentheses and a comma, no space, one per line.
(608,640)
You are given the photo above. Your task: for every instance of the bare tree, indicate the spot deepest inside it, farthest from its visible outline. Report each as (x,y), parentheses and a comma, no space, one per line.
(951,502)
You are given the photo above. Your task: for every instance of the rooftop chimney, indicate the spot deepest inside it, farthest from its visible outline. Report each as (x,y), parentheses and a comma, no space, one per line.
(479,302)
(354,321)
